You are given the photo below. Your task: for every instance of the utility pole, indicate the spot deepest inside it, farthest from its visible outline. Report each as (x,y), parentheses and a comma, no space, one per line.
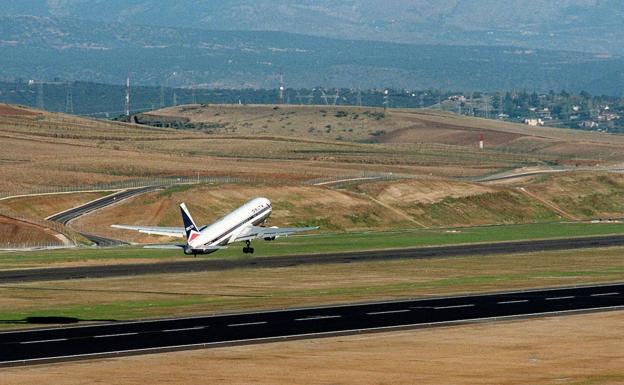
(386,99)
(127,97)
(162,95)
(282,88)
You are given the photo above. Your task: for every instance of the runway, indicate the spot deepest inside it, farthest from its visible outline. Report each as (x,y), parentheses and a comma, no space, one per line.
(113,339)
(198,265)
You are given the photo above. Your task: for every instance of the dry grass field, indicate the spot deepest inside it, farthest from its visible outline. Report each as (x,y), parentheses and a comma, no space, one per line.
(43,149)
(586,349)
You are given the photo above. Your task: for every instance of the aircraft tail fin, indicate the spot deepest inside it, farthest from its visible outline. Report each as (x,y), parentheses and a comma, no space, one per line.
(190,228)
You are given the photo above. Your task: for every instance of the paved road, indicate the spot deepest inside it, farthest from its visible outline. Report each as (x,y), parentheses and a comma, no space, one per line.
(66,216)
(196,265)
(112,339)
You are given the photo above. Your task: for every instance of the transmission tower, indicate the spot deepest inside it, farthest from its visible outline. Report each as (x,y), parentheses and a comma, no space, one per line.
(69,99)
(324,96)
(162,95)
(335,97)
(359,97)
(40,96)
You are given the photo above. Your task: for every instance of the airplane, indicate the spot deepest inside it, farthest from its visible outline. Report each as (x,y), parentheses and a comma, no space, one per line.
(241,225)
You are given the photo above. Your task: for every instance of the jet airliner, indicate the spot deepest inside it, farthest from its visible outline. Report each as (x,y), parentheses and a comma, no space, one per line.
(241,225)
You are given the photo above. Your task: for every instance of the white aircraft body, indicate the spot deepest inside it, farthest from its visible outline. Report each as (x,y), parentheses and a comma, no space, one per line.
(241,225)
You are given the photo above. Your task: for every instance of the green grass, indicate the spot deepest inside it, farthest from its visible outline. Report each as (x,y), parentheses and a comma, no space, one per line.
(326,243)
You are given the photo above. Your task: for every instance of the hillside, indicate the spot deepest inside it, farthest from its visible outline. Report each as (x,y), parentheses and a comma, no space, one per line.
(561,24)
(53,152)
(45,48)
(423,162)
(406,130)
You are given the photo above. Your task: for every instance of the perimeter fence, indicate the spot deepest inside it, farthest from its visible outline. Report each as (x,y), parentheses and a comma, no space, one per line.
(120,185)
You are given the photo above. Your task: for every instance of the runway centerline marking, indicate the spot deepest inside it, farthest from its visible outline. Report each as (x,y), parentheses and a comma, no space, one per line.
(388,312)
(115,335)
(248,324)
(43,341)
(183,329)
(604,294)
(510,302)
(318,318)
(559,298)
(453,307)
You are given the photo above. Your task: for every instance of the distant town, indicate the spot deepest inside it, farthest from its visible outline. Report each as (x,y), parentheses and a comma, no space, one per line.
(556,109)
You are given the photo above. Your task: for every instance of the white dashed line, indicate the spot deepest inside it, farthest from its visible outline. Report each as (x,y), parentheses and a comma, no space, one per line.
(318,318)
(558,298)
(603,294)
(43,341)
(453,307)
(247,324)
(510,302)
(388,312)
(115,335)
(184,329)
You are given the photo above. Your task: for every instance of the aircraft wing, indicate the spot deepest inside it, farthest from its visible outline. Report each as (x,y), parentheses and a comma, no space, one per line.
(256,232)
(167,231)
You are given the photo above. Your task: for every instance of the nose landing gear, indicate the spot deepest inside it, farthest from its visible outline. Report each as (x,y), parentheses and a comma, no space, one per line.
(248,249)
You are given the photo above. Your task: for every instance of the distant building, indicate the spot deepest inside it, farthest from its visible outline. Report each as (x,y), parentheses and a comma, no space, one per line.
(457,98)
(608,117)
(588,124)
(534,122)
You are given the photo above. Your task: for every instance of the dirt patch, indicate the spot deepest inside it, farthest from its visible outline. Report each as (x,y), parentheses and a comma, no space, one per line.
(579,349)
(423,190)
(14,232)
(7,110)
(42,206)
(439,202)
(585,195)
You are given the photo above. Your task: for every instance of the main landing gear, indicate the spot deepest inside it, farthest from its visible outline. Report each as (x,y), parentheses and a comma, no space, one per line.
(248,249)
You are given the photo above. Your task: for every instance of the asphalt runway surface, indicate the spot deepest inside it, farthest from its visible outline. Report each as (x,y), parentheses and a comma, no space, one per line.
(113,339)
(198,265)
(66,216)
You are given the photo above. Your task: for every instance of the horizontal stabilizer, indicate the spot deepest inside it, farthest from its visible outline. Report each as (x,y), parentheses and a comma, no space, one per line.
(177,232)
(256,232)
(165,247)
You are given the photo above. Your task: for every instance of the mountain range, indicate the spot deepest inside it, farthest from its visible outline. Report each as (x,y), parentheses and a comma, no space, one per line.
(578,25)
(453,45)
